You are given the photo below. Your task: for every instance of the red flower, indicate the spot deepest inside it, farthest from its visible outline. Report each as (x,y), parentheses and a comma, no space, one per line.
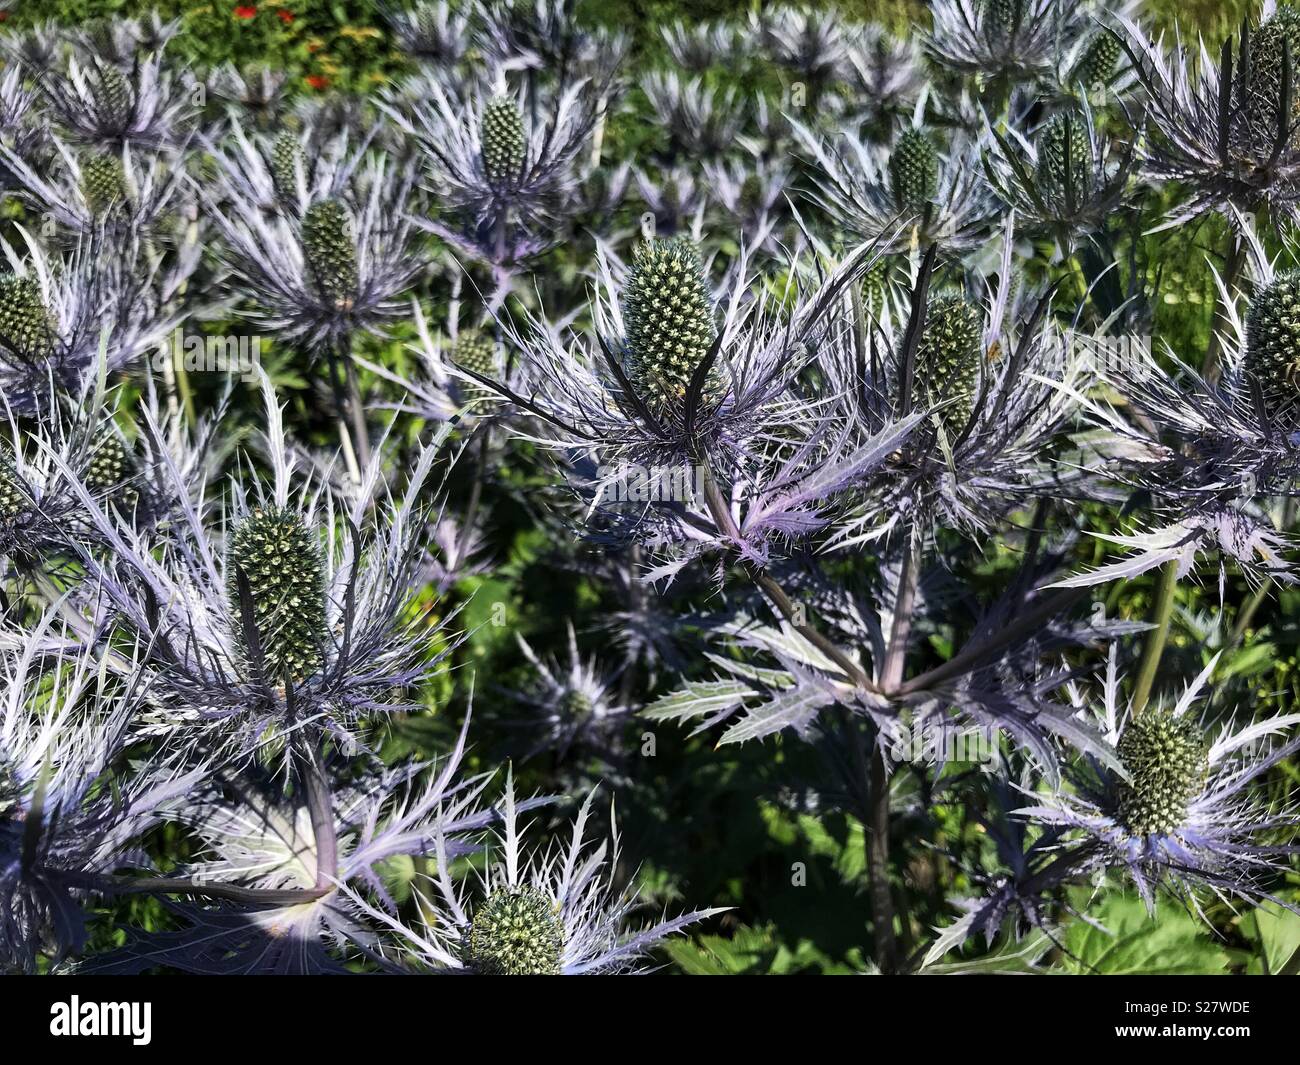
(245,12)
(285,16)
(318,81)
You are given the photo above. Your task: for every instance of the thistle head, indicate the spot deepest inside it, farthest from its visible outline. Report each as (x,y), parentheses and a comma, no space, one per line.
(287,161)
(113,95)
(1097,64)
(475,351)
(501,136)
(13,500)
(280,555)
(1167,764)
(27,327)
(516,932)
(913,170)
(1065,162)
(669,319)
(103,182)
(331,252)
(1273,340)
(949,356)
(1002,19)
(1275,37)
(107,467)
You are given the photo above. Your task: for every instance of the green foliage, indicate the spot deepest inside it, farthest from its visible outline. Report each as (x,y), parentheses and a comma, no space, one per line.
(1170,944)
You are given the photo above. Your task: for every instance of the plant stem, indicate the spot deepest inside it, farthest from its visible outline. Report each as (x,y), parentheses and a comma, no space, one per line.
(162,885)
(359,428)
(877,839)
(1158,637)
(321,809)
(345,441)
(772,589)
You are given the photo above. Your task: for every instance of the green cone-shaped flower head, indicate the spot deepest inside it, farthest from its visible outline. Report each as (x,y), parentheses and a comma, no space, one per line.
(331,252)
(1003,18)
(281,557)
(107,467)
(913,170)
(1097,64)
(1273,341)
(516,932)
(113,96)
(669,320)
(13,500)
(475,350)
(27,327)
(501,136)
(1275,37)
(948,358)
(1167,764)
(103,182)
(1065,162)
(287,161)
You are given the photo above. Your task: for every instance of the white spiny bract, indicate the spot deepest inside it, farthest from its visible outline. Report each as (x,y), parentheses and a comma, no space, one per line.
(543,908)
(387,439)
(63,729)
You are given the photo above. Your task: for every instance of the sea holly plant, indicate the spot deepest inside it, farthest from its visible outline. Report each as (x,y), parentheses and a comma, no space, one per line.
(865,450)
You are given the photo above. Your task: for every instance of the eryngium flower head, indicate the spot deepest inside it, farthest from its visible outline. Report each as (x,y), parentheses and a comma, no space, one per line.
(1098,61)
(1210,122)
(950,358)
(1272,357)
(288,160)
(502,139)
(1065,162)
(431,30)
(336,269)
(1068,181)
(108,466)
(516,932)
(503,167)
(539,909)
(109,106)
(668,315)
(1167,762)
(913,170)
(56,309)
(1277,38)
(330,250)
(867,192)
(103,181)
(1182,814)
(279,556)
(1003,38)
(27,326)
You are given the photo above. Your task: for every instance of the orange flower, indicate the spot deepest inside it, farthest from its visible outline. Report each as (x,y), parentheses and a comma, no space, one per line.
(285,16)
(318,81)
(245,12)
